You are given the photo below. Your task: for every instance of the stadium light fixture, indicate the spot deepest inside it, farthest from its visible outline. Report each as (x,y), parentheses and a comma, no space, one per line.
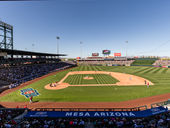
(58,45)
(81,49)
(126,48)
(33,47)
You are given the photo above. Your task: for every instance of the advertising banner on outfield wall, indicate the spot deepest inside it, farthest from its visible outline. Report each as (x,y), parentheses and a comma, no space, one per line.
(97,114)
(156,66)
(117,54)
(164,66)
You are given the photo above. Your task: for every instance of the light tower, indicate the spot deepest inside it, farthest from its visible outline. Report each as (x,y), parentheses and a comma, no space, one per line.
(6,28)
(81,49)
(126,49)
(58,45)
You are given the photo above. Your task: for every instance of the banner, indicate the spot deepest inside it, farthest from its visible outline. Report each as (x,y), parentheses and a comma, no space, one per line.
(164,66)
(92,114)
(117,54)
(156,66)
(95,54)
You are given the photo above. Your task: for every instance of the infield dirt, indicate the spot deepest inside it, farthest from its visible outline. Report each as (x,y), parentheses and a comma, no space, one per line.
(125,80)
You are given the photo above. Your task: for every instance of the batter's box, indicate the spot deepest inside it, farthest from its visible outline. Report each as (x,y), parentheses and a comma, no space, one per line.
(29,92)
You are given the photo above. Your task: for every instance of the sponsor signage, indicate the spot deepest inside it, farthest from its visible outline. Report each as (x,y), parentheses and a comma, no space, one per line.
(164,66)
(106,52)
(117,54)
(156,66)
(2,24)
(95,54)
(78,57)
(65,114)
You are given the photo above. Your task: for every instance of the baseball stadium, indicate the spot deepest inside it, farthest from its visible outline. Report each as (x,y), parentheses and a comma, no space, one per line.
(100,90)
(91,88)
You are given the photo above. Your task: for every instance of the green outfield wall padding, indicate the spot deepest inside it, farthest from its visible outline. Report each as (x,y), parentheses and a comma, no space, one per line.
(153,59)
(143,65)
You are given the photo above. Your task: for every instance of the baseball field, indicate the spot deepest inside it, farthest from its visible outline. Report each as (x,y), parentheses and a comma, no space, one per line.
(95,84)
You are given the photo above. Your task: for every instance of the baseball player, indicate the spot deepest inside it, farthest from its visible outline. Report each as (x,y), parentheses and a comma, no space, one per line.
(51,85)
(130,78)
(31,98)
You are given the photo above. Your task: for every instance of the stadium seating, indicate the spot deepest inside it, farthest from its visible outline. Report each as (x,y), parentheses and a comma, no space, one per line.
(162,62)
(16,73)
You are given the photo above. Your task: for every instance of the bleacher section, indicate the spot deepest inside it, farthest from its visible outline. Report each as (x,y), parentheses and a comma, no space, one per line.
(162,63)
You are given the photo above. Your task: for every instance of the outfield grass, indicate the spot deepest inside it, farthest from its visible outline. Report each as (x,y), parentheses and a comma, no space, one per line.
(78,79)
(159,76)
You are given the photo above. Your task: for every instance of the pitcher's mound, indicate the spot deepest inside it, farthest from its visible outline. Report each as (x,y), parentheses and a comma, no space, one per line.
(56,87)
(88,78)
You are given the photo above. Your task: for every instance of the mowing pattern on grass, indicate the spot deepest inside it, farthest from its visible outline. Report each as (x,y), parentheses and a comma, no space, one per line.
(78,79)
(159,76)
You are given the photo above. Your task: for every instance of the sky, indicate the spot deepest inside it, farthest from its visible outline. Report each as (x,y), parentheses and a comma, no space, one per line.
(98,24)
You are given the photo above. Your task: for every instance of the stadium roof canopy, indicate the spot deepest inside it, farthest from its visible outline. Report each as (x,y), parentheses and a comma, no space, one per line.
(19,52)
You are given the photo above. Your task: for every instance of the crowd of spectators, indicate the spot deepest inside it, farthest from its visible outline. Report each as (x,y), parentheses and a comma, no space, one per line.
(52,123)
(7,116)
(15,73)
(13,85)
(158,121)
(107,62)
(162,62)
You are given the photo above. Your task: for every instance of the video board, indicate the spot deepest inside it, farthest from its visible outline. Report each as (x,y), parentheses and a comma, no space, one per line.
(106,52)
